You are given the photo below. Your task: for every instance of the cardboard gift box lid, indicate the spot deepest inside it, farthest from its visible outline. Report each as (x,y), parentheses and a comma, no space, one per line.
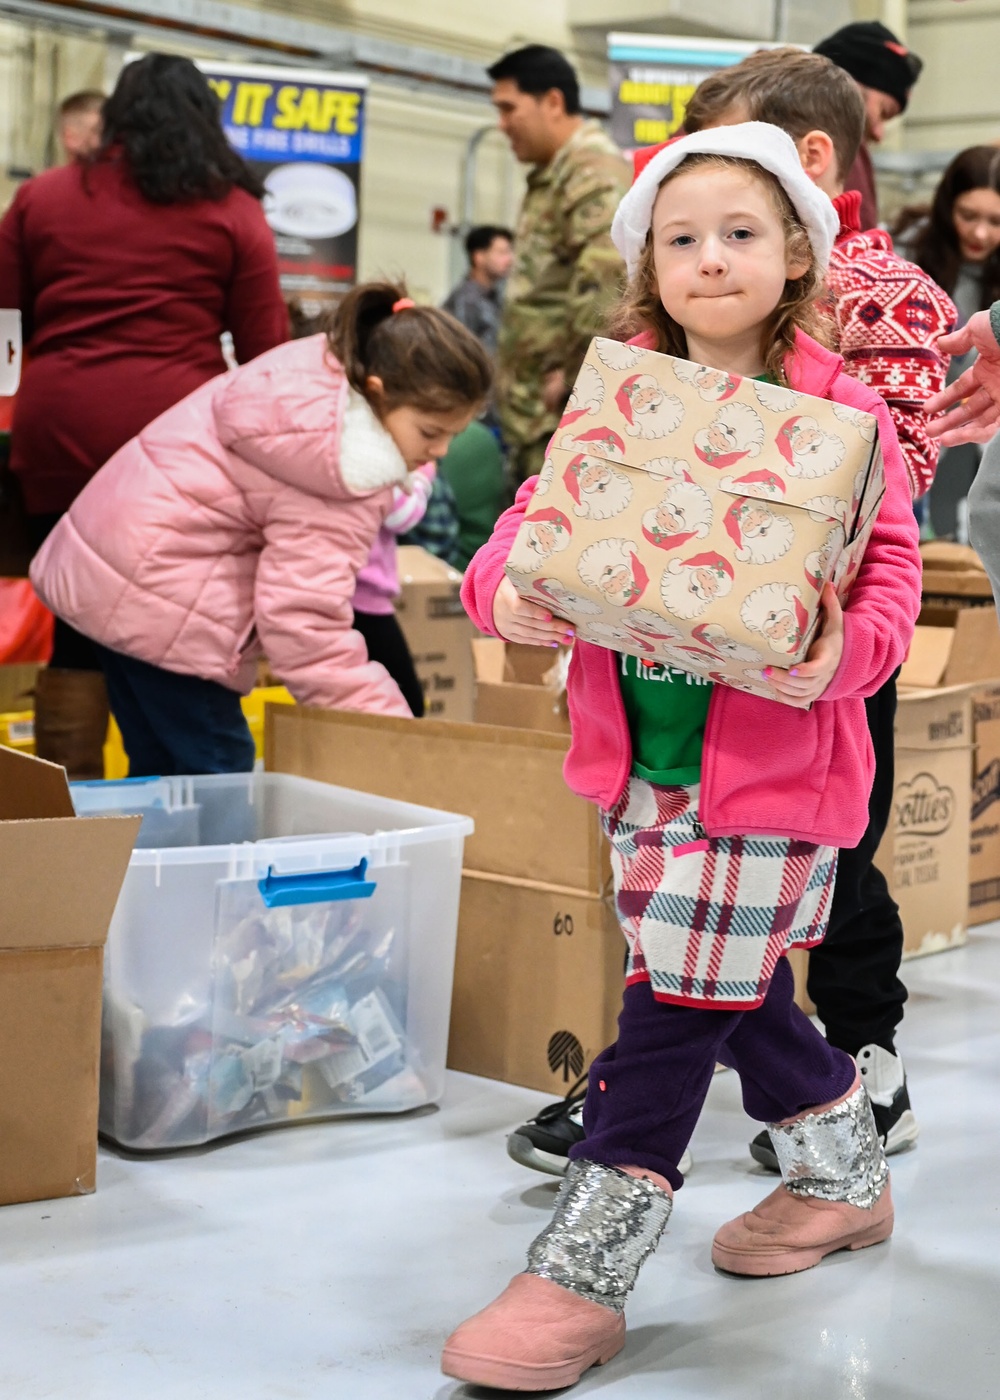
(691,517)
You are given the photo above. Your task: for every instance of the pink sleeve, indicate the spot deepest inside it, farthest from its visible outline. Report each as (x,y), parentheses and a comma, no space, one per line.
(303,603)
(882,609)
(409,507)
(485,572)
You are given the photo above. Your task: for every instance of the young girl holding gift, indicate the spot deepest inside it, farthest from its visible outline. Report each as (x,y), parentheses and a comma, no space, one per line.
(724,811)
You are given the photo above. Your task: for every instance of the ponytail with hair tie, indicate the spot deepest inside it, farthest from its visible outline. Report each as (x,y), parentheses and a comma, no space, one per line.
(425,359)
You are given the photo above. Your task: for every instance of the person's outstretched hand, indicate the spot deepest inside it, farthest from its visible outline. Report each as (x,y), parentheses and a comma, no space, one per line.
(974,398)
(807,681)
(517,620)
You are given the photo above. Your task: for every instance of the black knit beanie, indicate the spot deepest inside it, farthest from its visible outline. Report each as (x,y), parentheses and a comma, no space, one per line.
(874,57)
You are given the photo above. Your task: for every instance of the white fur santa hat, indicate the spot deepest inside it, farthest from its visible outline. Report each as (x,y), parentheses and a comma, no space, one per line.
(768,145)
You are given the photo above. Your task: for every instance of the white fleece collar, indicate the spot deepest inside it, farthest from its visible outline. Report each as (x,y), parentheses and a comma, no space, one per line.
(369,459)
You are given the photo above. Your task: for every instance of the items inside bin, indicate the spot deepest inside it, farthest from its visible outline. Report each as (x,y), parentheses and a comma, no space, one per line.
(304,1016)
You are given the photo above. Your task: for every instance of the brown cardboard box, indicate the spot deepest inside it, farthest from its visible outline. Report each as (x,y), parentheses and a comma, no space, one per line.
(953,571)
(529,826)
(539,965)
(984,854)
(953,645)
(691,517)
(61,878)
(17,685)
(438,632)
(538,982)
(511,687)
(925,852)
(540,958)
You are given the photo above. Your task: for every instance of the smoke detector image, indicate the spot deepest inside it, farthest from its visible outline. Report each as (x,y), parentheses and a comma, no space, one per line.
(309,200)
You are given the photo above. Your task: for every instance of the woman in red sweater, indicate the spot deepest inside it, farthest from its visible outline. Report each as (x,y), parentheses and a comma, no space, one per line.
(127,269)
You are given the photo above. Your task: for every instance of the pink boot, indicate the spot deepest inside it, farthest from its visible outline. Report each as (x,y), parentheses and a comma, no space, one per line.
(834,1194)
(535,1336)
(566,1313)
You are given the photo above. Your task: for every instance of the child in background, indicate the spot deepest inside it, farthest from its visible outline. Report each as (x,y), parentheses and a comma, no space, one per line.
(378,586)
(236,524)
(726,241)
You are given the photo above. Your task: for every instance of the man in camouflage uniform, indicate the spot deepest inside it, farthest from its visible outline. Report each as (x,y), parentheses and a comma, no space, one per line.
(567,273)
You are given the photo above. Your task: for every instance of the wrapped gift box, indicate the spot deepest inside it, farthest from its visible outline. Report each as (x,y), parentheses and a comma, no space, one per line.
(691,517)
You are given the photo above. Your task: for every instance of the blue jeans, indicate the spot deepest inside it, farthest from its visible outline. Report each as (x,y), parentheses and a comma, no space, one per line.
(175,724)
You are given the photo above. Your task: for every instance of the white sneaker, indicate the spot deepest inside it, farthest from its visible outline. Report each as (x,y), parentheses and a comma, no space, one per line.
(884,1077)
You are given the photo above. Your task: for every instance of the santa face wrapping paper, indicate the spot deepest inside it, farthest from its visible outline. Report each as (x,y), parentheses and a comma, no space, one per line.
(689,516)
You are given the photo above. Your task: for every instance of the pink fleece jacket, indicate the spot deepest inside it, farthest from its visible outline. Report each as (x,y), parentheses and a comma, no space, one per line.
(237,522)
(767,769)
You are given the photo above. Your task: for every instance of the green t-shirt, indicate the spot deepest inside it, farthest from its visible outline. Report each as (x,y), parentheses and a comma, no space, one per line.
(666,709)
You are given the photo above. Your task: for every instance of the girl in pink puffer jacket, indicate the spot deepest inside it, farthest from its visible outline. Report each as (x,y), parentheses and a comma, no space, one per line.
(236,524)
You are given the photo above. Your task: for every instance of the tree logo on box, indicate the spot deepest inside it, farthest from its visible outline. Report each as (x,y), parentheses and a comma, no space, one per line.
(565,1053)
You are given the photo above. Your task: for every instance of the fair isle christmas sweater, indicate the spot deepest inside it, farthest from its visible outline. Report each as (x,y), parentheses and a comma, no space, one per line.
(888,315)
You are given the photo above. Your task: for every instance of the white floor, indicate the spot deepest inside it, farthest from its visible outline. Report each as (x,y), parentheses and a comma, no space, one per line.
(330,1261)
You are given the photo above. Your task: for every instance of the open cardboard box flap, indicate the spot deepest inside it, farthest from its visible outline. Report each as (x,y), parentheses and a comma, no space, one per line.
(953,645)
(62,873)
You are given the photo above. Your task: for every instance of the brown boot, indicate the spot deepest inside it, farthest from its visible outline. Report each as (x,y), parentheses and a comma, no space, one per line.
(71,720)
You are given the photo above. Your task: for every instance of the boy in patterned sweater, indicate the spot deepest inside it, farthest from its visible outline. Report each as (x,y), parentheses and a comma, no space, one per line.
(887,316)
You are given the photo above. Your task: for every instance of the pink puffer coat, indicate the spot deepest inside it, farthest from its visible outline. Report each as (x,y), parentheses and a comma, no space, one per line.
(236,524)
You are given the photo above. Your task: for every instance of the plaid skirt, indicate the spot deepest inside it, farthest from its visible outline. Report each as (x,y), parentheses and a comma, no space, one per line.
(706,919)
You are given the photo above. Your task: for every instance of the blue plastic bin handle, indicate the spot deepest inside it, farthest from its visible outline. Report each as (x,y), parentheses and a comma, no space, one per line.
(112,782)
(316,886)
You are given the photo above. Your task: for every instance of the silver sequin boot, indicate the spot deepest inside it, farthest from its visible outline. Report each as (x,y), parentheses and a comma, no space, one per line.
(566,1312)
(834,1194)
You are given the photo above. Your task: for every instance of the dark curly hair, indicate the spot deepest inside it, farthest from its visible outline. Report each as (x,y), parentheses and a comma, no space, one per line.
(166,119)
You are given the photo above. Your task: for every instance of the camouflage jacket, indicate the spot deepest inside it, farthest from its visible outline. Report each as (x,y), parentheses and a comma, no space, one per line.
(566,276)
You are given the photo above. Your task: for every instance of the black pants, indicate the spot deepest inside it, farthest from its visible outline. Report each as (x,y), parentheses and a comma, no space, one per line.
(71,650)
(387,645)
(173,724)
(854,973)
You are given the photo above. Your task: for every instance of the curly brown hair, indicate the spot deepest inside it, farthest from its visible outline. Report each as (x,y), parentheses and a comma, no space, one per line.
(642,310)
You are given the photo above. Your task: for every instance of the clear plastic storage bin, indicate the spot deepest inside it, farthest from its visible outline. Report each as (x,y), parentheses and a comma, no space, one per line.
(281,950)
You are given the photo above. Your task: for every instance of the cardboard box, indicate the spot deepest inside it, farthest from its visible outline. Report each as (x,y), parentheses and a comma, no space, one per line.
(529,826)
(538,982)
(953,645)
(512,689)
(925,852)
(954,571)
(61,878)
(984,852)
(539,970)
(438,632)
(691,517)
(17,687)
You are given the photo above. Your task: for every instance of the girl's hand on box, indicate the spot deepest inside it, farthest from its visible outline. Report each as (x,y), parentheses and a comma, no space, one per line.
(517,620)
(807,681)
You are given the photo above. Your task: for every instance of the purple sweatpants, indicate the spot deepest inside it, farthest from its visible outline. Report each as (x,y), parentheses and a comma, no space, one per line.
(646,1092)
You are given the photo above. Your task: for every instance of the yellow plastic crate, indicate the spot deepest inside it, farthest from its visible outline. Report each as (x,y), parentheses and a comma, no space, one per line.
(17,730)
(253,708)
(116,762)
